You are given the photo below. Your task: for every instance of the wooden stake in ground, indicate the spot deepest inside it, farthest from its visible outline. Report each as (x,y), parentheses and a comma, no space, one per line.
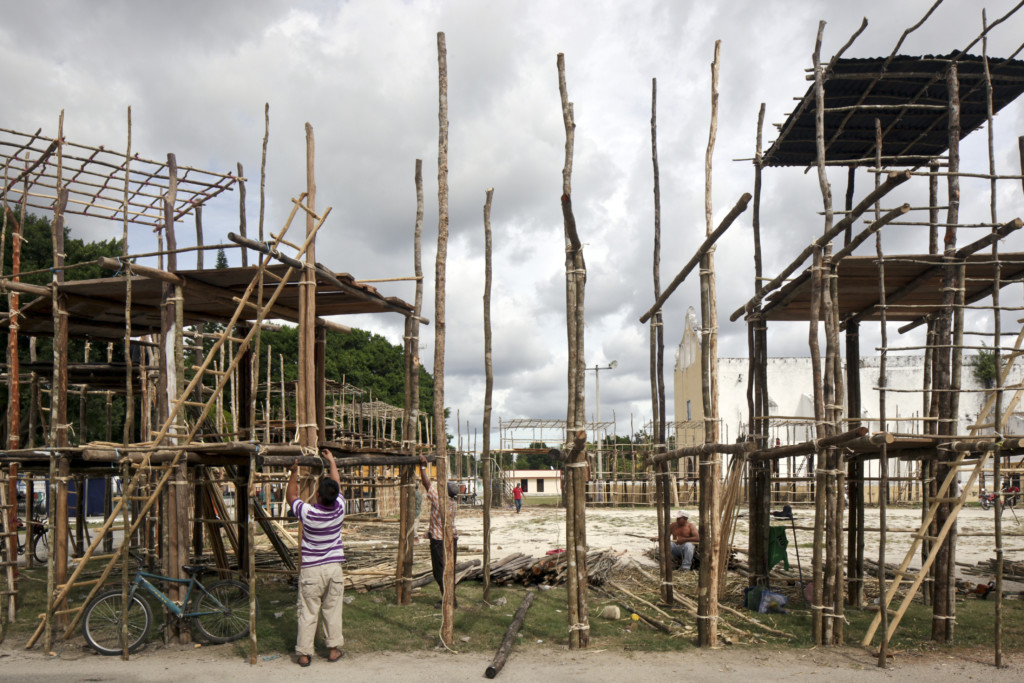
(663,478)
(707,613)
(410,418)
(488,390)
(576,462)
(510,635)
(440,443)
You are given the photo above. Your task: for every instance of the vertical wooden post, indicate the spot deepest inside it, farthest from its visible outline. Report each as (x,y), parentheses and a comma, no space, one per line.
(576,466)
(883,461)
(241,217)
(662,476)
(58,397)
(488,390)
(410,418)
(941,609)
(440,279)
(710,467)
(250,563)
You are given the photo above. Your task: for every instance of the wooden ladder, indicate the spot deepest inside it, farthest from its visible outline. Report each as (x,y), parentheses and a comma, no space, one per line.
(176,413)
(922,534)
(8,596)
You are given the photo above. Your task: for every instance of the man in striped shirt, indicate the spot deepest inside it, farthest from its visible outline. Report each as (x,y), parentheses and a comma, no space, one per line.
(436,531)
(321,583)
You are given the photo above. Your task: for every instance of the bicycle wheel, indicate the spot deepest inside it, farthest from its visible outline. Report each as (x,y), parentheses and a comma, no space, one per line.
(102,623)
(221,613)
(40,548)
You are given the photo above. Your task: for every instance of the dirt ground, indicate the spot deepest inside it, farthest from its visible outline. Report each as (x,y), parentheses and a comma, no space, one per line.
(220,663)
(539,529)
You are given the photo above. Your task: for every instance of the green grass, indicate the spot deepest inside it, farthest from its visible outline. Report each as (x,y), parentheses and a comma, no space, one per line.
(373,623)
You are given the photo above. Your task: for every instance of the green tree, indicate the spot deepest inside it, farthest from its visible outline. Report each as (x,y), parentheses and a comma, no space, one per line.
(79,259)
(537,458)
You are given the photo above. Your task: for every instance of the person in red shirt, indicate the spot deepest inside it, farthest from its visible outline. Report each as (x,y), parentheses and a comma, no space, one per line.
(517,496)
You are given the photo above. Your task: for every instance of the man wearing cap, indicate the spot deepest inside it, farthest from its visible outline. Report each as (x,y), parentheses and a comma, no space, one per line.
(683,535)
(436,531)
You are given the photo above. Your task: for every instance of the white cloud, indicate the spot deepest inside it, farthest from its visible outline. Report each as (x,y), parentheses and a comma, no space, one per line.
(364,74)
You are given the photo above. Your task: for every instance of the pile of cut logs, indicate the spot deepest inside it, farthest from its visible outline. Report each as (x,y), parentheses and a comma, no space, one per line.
(1012,570)
(548,570)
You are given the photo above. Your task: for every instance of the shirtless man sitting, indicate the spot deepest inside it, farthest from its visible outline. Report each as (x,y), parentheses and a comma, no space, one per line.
(683,535)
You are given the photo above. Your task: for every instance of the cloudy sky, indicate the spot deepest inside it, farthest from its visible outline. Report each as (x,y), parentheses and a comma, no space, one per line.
(364,74)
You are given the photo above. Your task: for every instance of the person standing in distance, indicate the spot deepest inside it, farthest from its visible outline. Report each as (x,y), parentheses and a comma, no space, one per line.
(321,582)
(517,496)
(436,530)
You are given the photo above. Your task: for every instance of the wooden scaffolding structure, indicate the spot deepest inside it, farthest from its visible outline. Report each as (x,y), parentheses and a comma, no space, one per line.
(200,421)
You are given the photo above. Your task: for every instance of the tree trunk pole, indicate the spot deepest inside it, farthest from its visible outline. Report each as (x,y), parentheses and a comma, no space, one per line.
(407,495)
(510,635)
(576,465)
(488,390)
(440,437)
(708,581)
(941,609)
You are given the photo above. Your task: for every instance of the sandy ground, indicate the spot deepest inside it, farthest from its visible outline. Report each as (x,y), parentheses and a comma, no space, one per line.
(221,664)
(537,530)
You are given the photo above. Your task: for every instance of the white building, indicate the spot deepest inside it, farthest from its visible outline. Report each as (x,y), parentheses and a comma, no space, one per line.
(538,482)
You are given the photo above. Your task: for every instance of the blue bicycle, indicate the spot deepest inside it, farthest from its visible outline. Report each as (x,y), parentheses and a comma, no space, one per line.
(218,612)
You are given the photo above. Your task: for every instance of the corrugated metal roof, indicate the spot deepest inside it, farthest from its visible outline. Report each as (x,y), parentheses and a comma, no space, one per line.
(911,135)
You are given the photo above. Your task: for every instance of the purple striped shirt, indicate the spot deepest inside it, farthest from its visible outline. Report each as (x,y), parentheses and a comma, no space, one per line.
(321,531)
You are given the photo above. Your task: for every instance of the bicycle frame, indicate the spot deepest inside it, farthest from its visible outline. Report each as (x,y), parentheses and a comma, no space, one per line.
(142,580)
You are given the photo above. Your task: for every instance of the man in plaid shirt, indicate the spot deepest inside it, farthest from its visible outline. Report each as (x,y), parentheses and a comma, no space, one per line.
(436,531)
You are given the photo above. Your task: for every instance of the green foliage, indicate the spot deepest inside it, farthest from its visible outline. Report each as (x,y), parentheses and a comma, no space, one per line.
(222,260)
(37,255)
(362,359)
(985,367)
(37,252)
(535,459)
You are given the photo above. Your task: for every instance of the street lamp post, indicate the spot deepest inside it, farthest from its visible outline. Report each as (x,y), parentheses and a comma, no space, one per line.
(597,389)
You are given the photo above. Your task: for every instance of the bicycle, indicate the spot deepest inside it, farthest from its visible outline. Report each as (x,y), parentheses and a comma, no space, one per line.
(36,540)
(219,612)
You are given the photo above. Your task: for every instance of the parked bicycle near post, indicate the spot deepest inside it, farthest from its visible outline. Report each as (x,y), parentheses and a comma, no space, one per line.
(218,612)
(35,541)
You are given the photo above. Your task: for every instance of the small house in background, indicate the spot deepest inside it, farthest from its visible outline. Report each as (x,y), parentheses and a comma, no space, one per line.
(537,482)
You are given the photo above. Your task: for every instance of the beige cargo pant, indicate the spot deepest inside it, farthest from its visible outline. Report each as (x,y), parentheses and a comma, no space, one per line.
(321,590)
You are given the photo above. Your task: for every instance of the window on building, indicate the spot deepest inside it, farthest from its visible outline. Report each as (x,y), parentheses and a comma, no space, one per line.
(689,416)
(540,486)
(524,483)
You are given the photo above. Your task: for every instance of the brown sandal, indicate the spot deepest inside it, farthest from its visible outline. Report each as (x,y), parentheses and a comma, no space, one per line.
(341,653)
(309,660)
